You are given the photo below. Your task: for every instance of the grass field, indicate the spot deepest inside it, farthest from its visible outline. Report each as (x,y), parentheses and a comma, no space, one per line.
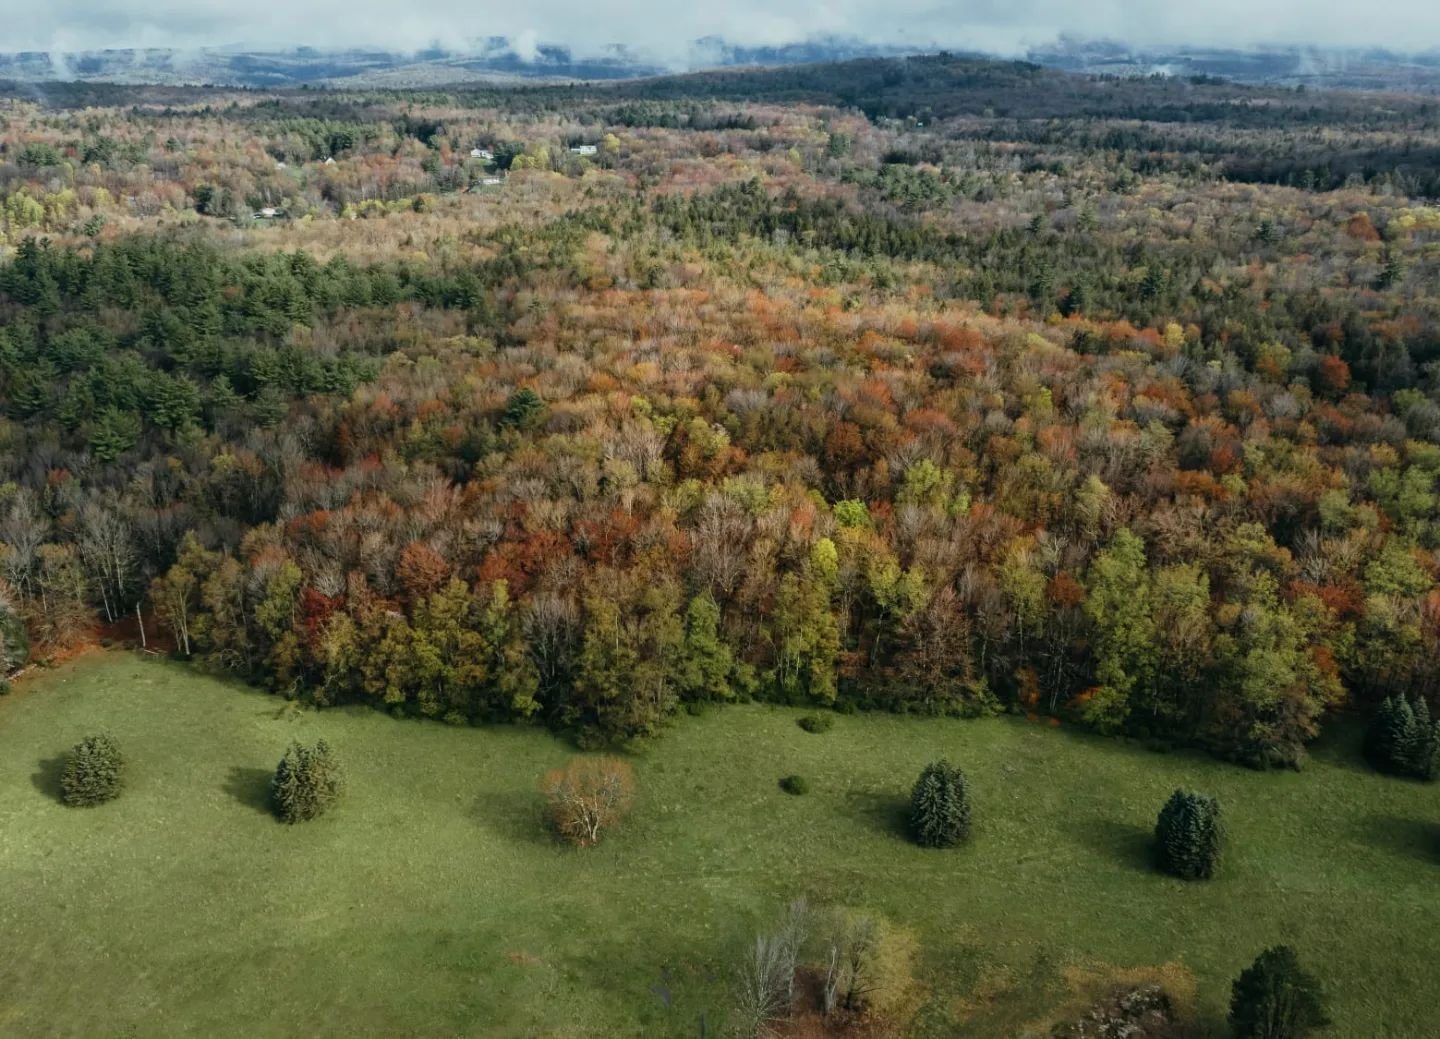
(431,903)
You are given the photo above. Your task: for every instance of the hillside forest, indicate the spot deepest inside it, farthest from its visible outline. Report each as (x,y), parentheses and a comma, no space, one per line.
(934,387)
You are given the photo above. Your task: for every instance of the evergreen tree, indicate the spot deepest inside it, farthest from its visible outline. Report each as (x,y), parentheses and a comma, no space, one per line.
(113,433)
(1392,272)
(1275,998)
(940,807)
(523,409)
(1402,739)
(92,773)
(1188,836)
(307,782)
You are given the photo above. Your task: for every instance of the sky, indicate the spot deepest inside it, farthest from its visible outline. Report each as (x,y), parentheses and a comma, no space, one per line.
(665,29)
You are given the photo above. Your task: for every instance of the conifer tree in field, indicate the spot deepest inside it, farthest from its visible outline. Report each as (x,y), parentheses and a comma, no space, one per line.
(307,782)
(1275,998)
(92,773)
(1402,739)
(940,807)
(1188,836)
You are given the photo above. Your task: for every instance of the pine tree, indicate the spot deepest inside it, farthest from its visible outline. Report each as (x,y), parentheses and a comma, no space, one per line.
(1275,998)
(1188,836)
(307,782)
(940,807)
(92,773)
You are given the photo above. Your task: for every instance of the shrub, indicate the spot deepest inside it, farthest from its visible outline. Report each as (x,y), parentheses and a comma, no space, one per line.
(1402,740)
(1275,998)
(816,723)
(588,796)
(1188,836)
(307,782)
(796,785)
(93,772)
(940,807)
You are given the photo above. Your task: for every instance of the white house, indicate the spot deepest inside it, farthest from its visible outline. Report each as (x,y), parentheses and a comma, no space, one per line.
(584,149)
(330,161)
(492,181)
(482,153)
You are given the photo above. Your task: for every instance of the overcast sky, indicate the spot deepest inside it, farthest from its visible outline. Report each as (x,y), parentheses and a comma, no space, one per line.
(665,28)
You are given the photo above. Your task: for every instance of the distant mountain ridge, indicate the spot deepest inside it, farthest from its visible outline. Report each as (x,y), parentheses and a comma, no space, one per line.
(500,60)
(494,59)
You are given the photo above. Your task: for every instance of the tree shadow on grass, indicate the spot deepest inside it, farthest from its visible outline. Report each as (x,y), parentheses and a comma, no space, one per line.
(889,813)
(1125,843)
(46,777)
(251,787)
(1342,746)
(1412,838)
(514,815)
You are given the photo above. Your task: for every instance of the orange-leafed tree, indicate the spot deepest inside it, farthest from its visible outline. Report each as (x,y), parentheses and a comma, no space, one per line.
(587,797)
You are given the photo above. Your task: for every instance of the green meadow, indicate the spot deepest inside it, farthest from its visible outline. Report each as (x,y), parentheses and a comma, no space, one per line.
(432,902)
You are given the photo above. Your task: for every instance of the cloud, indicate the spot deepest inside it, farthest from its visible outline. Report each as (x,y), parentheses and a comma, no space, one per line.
(666,30)
(526,46)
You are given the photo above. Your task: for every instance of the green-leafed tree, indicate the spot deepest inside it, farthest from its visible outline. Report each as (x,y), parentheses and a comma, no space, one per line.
(940,807)
(807,640)
(1276,998)
(1402,740)
(307,782)
(706,669)
(1118,603)
(1189,835)
(93,772)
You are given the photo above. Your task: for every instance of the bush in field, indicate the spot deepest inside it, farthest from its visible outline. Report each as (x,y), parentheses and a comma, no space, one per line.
(795,785)
(940,807)
(307,782)
(587,797)
(1188,836)
(1275,998)
(92,772)
(1402,740)
(816,723)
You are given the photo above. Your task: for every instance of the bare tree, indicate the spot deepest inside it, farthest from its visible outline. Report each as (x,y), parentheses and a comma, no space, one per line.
(721,540)
(587,796)
(22,532)
(849,950)
(552,630)
(107,551)
(763,993)
(766,984)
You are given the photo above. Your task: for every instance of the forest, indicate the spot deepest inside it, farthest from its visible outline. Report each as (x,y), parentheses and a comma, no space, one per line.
(935,387)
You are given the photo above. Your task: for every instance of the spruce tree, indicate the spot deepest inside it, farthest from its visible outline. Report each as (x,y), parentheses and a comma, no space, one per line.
(307,782)
(92,773)
(940,807)
(1188,836)
(1403,740)
(1275,998)
(1425,748)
